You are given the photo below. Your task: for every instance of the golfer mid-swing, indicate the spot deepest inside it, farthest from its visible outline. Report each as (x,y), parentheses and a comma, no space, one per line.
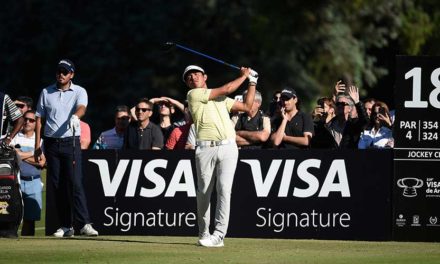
(216,150)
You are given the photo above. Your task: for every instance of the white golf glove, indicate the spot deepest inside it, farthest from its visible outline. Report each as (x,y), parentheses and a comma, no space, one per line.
(253,77)
(74,122)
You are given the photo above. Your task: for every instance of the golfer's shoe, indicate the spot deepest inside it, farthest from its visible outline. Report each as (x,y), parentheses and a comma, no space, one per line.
(213,241)
(88,230)
(64,232)
(203,237)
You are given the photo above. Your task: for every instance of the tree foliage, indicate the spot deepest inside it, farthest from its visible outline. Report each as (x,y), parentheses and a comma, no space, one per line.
(117,45)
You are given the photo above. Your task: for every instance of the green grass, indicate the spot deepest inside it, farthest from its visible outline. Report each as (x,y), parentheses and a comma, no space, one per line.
(145,249)
(150,249)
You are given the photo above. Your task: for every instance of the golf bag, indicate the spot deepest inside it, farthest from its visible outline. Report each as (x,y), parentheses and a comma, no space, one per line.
(11,203)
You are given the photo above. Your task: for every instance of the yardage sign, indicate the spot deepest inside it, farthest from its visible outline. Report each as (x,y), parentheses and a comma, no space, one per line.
(417,149)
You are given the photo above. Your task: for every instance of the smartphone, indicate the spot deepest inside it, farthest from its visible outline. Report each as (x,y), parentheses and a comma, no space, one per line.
(382,111)
(320,102)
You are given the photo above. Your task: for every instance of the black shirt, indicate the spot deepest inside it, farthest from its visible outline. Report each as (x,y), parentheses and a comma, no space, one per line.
(147,138)
(296,127)
(350,136)
(250,124)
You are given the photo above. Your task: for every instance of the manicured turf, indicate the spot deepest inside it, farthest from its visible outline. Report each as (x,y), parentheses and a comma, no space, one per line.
(116,249)
(148,249)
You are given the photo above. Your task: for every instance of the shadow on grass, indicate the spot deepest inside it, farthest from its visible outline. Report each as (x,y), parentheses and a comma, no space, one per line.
(103,239)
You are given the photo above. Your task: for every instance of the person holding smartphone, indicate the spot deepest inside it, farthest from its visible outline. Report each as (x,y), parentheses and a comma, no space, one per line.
(344,130)
(324,110)
(380,135)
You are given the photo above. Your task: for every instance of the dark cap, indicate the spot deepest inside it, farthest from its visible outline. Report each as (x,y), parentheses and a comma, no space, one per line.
(66,64)
(288,92)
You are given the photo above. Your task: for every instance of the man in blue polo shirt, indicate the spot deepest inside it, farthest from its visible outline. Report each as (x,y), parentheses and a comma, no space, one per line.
(62,105)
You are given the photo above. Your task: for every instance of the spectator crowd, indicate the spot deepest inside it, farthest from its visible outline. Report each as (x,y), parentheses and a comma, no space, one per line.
(340,121)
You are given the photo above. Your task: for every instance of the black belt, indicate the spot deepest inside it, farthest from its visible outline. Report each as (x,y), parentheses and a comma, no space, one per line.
(30,178)
(59,140)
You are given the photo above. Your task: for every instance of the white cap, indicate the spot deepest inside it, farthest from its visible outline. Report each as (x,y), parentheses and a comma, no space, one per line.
(191,68)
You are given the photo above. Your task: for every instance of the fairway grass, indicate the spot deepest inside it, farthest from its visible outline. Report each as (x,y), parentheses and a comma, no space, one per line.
(148,249)
(155,249)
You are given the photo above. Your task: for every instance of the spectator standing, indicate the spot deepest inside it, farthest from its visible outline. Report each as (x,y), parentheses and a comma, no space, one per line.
(167,108)
(252,128)
(60,108)
(293,128)
(343,131)
(30,174)
(179,135)
(216,153)
(114,138)
(10,114)
(324,111)
(274,105)
(191,140)
(380,135)
(368,104)
(85,138)
(24,103)
(143,134)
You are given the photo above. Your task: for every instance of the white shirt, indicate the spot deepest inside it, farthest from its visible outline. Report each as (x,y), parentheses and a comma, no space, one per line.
(375,139)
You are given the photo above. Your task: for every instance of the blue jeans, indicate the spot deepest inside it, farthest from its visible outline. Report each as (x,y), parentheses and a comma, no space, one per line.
(31,192)
(65,175)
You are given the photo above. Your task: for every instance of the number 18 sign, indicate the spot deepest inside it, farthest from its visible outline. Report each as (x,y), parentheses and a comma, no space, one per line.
(416,187)
(417,102)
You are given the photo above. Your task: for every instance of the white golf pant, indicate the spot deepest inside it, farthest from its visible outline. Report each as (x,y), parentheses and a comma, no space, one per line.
(215,165)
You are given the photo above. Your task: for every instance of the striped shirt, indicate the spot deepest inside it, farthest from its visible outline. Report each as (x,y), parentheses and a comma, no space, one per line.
(10,113)
(11,109)
(211,117)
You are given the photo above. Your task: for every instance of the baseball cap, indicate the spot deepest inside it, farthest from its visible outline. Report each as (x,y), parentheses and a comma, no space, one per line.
(192,68)
(66,64)
(288,92)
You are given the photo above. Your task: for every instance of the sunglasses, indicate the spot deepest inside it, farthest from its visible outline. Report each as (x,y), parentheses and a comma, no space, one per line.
(63,71)
(342,104)
(31,120)
(165,105)
(123,118)
(20,105)
(138,109)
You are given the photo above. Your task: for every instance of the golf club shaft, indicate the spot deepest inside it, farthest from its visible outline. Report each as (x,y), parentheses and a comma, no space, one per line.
(72,197)
(207,56)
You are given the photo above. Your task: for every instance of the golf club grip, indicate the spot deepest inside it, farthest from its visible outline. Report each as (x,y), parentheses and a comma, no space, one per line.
(207,56)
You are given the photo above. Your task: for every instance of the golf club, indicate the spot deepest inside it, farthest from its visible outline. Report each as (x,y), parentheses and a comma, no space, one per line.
(170,45)
(72,197)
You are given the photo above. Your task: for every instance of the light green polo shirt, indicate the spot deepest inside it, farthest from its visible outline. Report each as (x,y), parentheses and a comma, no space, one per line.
(211,117)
